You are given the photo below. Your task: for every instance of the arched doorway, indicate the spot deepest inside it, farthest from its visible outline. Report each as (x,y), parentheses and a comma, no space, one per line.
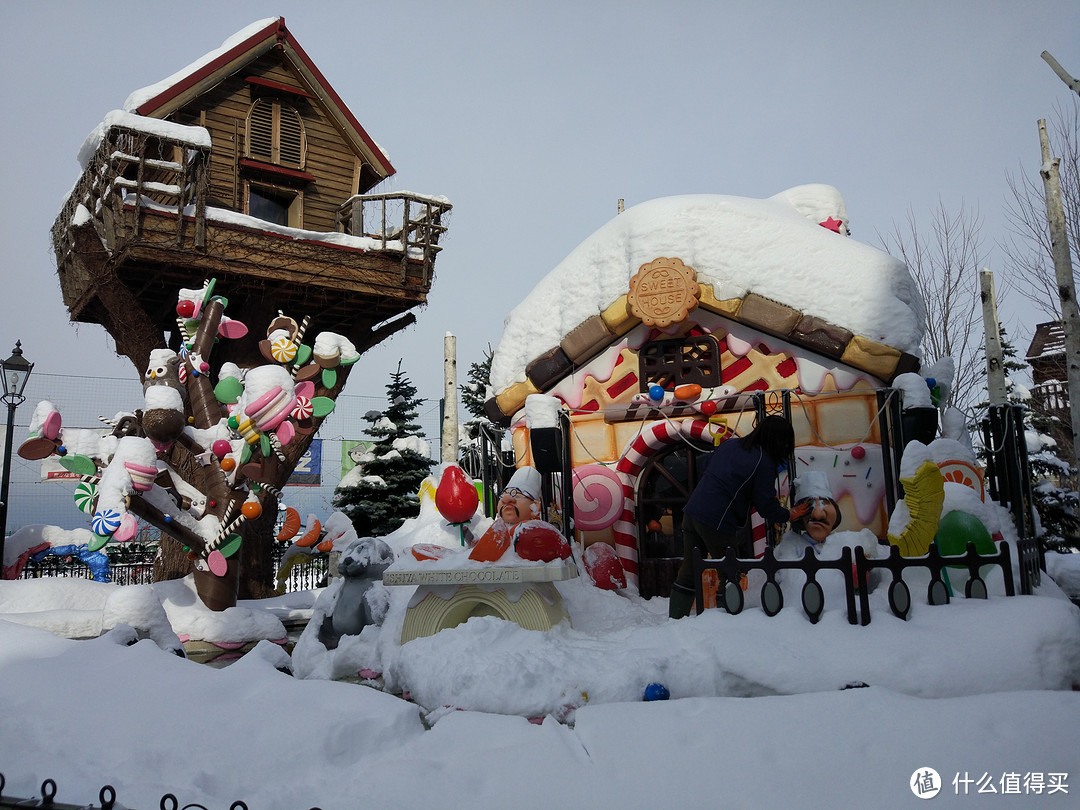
(664,486)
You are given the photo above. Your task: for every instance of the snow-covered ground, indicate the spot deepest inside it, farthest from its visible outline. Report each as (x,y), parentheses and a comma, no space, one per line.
(759,715)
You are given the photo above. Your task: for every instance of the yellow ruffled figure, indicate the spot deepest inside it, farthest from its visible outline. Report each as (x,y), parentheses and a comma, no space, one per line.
(924,494)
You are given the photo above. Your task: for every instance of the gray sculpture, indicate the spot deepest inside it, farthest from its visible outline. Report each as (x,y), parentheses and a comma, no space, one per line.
(360,598)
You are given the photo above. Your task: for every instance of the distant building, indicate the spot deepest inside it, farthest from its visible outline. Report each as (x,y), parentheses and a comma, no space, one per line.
(1050,394)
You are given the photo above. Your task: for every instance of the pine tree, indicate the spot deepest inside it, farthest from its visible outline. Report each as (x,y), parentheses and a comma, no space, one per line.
(1057,507)
(473,394)
(383,489)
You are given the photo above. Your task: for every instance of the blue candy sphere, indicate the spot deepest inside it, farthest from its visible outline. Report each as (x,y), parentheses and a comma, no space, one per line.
(656,392)
(656,691)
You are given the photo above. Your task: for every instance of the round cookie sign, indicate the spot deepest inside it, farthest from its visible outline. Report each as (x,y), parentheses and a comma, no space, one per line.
(663,292)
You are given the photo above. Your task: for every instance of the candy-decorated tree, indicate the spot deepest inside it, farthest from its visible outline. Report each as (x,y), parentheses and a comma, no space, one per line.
(204,457)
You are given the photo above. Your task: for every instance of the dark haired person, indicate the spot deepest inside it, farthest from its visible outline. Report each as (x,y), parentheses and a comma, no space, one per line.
(739,475)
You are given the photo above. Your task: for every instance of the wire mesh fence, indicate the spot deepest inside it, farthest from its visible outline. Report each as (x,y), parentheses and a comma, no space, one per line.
(36,499)
(133,564)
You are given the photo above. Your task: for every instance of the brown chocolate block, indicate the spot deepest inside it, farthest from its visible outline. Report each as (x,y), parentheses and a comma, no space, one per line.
(821,336)
(549,368)
(586,339)
(768,315)
(872,357)
(908,363)
(491,410)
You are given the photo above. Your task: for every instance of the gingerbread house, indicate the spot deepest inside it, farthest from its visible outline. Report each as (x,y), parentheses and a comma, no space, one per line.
(680,321)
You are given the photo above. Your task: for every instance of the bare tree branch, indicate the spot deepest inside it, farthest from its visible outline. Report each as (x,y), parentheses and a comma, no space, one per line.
(1027,247)
(945,260)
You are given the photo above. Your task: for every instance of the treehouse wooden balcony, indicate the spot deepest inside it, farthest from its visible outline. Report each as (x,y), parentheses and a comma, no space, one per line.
(143,222)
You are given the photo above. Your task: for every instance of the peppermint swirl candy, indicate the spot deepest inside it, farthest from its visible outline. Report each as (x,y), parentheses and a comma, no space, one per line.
(303,409)
(105,522)
(283,350)
(85,493)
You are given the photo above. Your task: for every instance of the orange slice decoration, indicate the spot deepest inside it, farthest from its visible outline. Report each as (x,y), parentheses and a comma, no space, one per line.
(312,535)
(291,525)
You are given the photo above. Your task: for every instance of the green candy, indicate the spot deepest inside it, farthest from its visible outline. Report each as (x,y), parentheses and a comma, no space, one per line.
(98,542)
(228,390)
(80,465)
(231,545)
(322,406)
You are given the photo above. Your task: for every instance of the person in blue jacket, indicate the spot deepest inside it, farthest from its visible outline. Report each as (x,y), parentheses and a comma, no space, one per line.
(739,474)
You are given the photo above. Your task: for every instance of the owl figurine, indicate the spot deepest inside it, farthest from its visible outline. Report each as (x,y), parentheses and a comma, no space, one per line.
(163,418)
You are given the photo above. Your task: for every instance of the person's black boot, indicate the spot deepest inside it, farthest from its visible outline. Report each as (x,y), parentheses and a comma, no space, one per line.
(680,601)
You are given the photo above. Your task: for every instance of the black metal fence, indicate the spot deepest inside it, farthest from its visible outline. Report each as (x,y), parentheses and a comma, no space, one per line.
(717,581)
(107,797)
(133,564)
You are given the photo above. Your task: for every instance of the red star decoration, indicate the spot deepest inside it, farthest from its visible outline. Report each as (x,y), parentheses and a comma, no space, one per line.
(831,224)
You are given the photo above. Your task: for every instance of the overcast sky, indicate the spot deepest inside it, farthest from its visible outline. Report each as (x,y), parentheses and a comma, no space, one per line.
(535,118)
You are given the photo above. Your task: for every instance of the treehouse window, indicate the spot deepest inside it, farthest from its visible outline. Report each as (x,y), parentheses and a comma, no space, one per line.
(276,134)
(671,363)
(275,205)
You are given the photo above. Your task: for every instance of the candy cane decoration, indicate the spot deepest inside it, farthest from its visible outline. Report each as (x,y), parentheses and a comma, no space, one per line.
(647,444)
(268,487)
(275,445)
(299,337)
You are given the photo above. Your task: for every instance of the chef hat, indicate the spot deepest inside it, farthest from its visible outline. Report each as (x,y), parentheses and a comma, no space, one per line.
(527,479)
(813,484)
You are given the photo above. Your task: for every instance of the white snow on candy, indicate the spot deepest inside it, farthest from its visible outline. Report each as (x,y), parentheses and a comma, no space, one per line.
(327,344)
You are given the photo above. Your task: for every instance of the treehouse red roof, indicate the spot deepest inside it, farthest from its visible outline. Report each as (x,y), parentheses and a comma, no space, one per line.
(162,99)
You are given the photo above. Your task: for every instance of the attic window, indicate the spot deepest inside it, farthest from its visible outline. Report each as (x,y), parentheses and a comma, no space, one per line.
(277,205)
(276,134)
(671,363)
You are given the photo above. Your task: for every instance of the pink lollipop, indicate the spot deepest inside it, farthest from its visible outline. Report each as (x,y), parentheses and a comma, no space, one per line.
(598,497)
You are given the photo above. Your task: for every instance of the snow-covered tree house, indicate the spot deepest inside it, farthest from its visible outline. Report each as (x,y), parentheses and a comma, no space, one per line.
(1050,393)
(674,324)
(245,166)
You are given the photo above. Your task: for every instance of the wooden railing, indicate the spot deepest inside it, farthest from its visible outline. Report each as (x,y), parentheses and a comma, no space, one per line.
(133,165)
(1051,396)
(411,223)
(167,172)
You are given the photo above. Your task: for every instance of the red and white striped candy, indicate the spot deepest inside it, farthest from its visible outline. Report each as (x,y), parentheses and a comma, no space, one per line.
(304,409)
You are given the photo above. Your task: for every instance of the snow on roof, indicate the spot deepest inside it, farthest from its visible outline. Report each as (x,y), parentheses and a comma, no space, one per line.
(191,135)
(141,96)
(774,247)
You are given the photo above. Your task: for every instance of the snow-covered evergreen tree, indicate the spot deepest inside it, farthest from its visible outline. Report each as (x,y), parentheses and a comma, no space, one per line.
(473,396)
(474,393)
(383,489)
(1057,506)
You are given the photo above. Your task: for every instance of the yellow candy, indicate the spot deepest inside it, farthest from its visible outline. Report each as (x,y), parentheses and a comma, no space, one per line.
(283,350)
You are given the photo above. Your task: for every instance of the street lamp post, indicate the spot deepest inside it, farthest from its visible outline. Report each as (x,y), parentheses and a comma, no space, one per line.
(16,371)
